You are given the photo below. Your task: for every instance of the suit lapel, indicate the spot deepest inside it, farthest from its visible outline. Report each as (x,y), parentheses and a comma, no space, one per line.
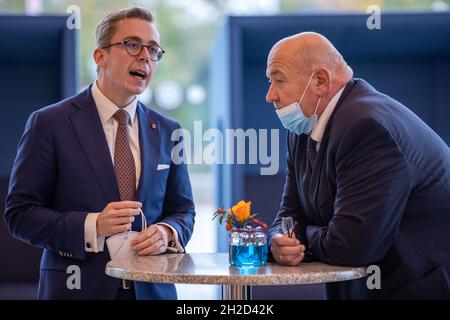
(149,140)
(318,164)
(89,130)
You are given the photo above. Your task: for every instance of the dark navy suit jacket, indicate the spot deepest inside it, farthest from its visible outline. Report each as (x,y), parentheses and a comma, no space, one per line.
(377,193)
(63,171)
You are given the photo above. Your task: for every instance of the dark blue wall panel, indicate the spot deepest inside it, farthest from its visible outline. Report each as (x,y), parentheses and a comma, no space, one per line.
(37,68)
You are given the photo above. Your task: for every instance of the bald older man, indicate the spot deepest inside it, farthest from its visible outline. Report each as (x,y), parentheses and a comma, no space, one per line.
(367,181)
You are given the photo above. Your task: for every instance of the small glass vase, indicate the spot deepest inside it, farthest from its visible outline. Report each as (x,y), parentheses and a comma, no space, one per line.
(248,246)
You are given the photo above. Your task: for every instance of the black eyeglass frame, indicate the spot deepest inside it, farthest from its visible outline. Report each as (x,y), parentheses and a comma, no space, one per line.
(142,46)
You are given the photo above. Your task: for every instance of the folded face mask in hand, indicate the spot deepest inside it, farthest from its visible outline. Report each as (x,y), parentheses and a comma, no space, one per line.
(119,245)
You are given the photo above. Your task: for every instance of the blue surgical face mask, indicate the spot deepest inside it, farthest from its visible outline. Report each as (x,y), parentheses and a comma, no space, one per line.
(292,116)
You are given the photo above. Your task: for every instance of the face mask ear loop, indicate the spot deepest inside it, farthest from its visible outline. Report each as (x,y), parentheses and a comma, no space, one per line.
(122,242)
(317,106)
(143,221)
(307,85)
(129,230)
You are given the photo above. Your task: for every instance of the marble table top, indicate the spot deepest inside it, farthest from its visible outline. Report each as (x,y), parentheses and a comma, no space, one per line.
(214,268)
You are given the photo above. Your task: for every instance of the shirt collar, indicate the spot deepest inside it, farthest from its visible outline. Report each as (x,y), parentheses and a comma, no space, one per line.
(322,122)
(106,108)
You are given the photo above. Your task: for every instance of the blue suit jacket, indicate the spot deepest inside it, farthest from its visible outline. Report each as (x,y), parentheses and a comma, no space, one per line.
(377,193)
(63,171)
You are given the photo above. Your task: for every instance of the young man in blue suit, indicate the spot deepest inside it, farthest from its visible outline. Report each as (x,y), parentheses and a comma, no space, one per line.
(86,165)
(367,181)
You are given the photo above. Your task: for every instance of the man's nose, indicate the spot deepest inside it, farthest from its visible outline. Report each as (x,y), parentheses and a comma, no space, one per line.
(145,55)
(271,96)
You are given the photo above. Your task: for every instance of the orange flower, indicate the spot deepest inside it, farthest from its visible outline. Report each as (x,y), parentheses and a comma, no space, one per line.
(242,211)
(237,216)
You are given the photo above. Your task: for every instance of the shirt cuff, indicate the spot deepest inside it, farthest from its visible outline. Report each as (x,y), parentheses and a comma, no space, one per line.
(92,242)
(176,247)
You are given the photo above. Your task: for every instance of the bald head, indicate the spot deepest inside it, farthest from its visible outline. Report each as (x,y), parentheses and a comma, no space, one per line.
(306,68)
(309,51)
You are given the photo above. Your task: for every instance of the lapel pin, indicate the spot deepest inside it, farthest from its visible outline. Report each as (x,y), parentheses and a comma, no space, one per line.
(153,125)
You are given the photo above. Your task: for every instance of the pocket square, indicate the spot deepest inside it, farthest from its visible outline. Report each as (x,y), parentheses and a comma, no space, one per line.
(162,167)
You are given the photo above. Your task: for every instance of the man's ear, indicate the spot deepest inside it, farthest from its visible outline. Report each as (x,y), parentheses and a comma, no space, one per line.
(322,83)
(99,58)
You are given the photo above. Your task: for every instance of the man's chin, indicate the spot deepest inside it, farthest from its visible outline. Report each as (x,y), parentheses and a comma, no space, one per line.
(136,90)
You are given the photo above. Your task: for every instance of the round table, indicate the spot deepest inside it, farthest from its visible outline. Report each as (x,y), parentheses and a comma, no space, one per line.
(214,268)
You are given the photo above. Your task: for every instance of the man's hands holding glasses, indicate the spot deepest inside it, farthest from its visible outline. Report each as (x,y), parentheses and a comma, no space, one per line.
(286,248)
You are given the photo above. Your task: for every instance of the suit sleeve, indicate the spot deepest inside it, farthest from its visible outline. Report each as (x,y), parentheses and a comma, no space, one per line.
(28,205)
(178,207)
(290,202)
(372,192)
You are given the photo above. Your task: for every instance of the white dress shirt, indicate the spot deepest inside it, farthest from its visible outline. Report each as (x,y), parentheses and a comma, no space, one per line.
(319,129)
(106,109)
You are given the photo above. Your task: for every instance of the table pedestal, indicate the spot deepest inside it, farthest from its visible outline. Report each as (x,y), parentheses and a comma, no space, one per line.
(235,292)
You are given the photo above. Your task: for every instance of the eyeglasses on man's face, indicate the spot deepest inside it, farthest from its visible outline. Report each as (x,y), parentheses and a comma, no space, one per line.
(134,48)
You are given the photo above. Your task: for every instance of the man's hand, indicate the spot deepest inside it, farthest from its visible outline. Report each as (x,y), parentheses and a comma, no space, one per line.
(152,241)
(287,250)
(117,217)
